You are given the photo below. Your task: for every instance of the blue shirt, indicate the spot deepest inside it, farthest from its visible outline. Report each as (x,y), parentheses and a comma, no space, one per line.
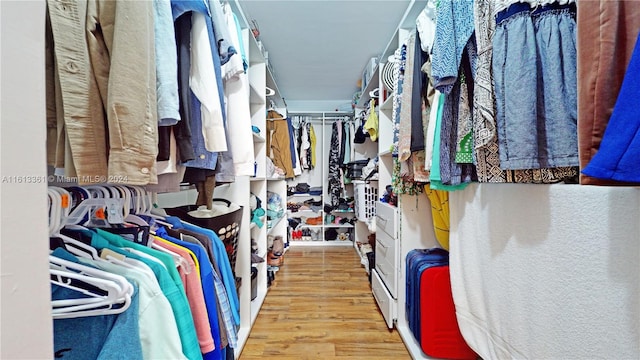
(112,336)
(204,159)
(221,32)
(221,258)
(166,64)
(453,30)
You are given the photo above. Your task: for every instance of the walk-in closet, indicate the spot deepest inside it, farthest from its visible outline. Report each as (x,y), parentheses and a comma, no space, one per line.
(253,179)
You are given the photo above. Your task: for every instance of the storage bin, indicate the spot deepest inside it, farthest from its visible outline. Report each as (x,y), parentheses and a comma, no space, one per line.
(226,226)
(353,170)
(365,199)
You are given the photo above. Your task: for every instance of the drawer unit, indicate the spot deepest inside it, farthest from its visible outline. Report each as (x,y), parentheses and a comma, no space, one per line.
(387,260)
(386,302)
(387,218)
(389,275)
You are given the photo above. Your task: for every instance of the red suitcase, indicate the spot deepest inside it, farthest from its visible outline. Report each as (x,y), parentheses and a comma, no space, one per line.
(440,335)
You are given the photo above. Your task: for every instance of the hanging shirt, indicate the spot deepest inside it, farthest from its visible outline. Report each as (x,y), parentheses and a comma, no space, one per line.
(371,125)
(221,33)
(236,83)
(166,64)
(193,288)
(204,159)
(113,336)
(222,259)
(202,81)
(158,329)
(453,30)
(208,278)
(312,138)
(174,293)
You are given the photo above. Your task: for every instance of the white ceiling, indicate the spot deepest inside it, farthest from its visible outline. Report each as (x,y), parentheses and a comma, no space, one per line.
(318,49)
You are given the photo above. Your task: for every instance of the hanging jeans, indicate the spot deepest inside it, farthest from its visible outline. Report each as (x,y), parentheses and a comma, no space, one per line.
(534,67)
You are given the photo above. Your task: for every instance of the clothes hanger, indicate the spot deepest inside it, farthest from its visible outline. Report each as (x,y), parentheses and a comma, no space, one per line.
(116,300)
(148,208)
(76,247)
(177,259)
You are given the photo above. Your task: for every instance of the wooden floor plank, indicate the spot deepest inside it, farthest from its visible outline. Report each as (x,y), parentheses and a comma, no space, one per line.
(321,307)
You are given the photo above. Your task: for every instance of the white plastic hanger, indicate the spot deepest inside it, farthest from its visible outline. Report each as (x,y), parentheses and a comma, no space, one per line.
(118,289)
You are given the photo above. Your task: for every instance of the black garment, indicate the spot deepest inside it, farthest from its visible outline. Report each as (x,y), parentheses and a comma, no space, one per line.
(420,81)
(309,164)
(182,130)
(335,173)
(453,173)
(164,138)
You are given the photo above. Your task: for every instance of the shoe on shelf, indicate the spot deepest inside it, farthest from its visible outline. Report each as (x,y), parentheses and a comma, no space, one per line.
(314,220)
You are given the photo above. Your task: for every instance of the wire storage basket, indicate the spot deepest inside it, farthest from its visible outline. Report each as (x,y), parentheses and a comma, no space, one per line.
(226,226)
(365,199)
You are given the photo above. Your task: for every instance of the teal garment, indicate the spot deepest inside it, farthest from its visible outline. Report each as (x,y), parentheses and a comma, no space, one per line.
(113,336)
(174,293)
(434,177)
(222,259)
(243,53)
(166,259)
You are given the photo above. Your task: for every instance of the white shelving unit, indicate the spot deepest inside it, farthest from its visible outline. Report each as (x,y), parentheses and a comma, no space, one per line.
(407,226)
(322,122)
(239,192)
(260,78)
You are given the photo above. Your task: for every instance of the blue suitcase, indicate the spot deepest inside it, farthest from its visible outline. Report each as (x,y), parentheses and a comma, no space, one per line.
(416,262)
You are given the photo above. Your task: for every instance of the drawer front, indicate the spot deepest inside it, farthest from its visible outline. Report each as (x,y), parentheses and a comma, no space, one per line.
(389,275)
(386,240)
(386,303)
(387,218)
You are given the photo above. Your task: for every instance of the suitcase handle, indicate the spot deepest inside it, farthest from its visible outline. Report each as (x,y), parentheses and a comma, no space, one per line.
(381,219)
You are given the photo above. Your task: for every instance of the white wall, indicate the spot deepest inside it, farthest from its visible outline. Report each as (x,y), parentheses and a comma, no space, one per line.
(547,272)
(25,306)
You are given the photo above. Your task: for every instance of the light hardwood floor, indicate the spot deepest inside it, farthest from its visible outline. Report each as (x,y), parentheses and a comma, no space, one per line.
(321,307)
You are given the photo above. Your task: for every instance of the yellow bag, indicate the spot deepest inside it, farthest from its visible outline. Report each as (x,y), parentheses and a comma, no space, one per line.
(440,213)
(371,125)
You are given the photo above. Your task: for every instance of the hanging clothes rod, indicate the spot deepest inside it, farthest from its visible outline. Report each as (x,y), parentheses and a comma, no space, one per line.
(343,118)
